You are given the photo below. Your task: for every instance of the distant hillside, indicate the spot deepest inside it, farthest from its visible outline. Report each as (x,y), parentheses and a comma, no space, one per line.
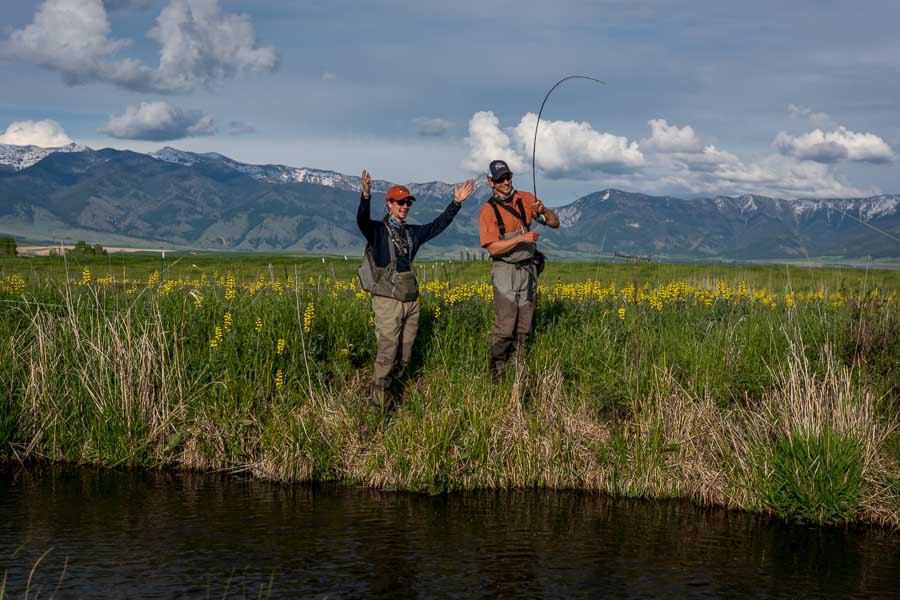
(209,201)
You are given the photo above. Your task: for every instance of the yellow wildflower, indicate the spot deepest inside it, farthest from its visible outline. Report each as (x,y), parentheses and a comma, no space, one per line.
(280,346)
(229,287)
(85,275)
(217,337)
(228,321)
(279,379)
(621,312)
(258,324)
(308,316)
(14,282)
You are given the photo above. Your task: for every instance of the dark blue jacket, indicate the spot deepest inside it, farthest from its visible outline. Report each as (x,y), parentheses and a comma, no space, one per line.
(377,235)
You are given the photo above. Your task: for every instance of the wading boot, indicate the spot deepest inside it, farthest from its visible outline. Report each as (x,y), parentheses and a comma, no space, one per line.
(381,398)
(498,370)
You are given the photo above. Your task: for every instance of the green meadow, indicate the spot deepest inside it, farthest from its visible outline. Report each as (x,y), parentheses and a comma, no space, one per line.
(762,388)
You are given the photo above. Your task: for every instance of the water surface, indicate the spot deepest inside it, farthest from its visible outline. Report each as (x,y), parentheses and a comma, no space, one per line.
(185,535)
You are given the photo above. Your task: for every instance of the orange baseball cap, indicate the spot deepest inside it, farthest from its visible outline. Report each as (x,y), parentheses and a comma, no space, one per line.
(399,192)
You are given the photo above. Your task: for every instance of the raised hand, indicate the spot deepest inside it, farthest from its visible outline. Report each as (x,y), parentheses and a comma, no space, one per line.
(366,183)
(538,206)
(460,193)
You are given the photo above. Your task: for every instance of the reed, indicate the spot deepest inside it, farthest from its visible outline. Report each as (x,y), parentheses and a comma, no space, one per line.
(779,398)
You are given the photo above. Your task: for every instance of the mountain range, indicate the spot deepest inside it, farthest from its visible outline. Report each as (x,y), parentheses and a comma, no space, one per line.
(176,199)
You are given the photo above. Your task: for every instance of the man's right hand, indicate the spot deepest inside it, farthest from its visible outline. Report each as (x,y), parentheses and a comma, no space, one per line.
(529,237)
(366,183)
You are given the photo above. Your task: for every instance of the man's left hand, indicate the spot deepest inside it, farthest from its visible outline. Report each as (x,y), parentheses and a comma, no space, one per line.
(538,206)
(460,193)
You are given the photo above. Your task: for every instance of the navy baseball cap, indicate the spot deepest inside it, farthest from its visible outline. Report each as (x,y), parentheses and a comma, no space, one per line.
(499,168)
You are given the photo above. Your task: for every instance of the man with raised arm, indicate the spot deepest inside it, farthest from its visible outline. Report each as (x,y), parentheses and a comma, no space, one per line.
(504,225)
(394,244)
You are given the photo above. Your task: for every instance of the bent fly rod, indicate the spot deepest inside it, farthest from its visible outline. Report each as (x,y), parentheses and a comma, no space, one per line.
(538,124)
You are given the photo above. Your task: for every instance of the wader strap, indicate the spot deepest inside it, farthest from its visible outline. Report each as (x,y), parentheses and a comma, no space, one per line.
(500,224)
(393,253)
(519,215)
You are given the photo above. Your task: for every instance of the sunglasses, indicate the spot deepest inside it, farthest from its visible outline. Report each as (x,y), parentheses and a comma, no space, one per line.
(404,202)
(502,178)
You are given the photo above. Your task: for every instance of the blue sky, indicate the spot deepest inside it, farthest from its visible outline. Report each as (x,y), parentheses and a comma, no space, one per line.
(784,99)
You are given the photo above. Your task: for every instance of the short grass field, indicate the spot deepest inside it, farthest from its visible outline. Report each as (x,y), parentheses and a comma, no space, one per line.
(772,389)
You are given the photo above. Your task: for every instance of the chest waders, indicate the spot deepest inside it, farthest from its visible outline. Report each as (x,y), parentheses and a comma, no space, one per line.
(396,321)
(391,283)
(515,281)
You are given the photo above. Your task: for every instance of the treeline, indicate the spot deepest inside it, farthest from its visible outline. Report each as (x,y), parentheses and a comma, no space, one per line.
(8,246)
(83,248)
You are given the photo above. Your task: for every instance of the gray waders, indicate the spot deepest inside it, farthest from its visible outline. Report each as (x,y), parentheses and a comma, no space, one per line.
(515,285)
(394,302)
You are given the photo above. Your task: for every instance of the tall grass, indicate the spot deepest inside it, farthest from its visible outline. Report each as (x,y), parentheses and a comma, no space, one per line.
(781,400)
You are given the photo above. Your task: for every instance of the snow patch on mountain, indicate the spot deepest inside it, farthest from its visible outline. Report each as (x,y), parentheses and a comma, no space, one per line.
(749,205)
(270,173)
(568,216)
(179,157)
(864,209)
(22,157)
(879,206)
(804,207)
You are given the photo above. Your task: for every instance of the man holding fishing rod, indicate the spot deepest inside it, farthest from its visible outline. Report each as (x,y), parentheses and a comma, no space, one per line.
(504,225)
(392,245)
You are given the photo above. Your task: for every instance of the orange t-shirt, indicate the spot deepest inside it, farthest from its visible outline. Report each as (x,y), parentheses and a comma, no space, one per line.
(488,230)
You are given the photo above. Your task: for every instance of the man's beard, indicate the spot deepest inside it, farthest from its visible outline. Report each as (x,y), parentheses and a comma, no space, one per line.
(504,197)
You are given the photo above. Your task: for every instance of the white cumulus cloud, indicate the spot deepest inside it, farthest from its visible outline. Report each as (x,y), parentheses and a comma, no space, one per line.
(487,141)
(564,148)
(72,38)
(46,134)
(716,171)
(159,121)
(199,45)
(833,146)
(707,161)
(671,138)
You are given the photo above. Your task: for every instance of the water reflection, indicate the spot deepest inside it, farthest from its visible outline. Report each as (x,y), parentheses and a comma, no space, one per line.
(166,534)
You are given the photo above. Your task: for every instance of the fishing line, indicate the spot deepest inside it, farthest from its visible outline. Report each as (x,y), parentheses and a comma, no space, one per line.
(861,222)
(538,123)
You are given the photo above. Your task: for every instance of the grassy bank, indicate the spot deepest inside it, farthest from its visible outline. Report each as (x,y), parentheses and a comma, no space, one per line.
(758,388)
